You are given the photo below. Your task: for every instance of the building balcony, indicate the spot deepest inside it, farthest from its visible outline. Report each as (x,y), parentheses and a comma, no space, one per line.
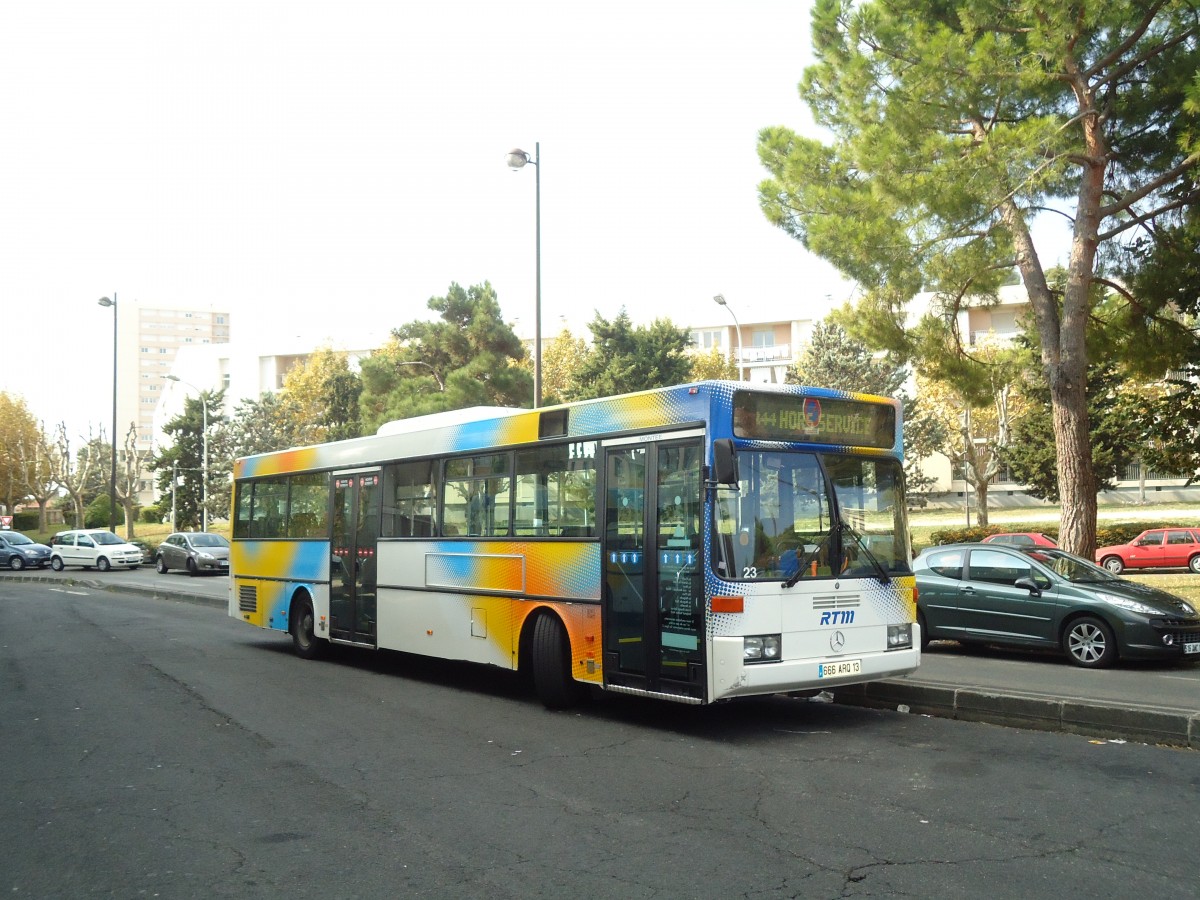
(751,355)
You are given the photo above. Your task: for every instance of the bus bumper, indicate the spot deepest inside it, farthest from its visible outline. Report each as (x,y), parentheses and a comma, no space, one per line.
(732,677)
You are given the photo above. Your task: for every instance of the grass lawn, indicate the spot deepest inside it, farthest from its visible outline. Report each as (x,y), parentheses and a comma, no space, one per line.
(1181,584)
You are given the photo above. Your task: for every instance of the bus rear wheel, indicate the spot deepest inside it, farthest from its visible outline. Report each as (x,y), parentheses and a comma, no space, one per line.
(552,664)
(303,628)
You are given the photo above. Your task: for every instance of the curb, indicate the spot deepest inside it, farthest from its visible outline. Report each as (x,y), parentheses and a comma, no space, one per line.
(1173,727)
(155,593)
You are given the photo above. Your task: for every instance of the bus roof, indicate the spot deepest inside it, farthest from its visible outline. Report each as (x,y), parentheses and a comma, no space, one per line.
(481,427)
(449,417)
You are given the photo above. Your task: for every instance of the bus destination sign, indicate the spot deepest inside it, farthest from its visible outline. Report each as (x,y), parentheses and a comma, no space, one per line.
(818,420)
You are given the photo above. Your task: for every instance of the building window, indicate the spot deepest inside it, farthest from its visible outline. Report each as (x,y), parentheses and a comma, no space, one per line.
(706,339)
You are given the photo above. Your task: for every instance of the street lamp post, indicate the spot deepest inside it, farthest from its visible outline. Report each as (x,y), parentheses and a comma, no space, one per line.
(516,160)
(112,476)
(204,452)
(720,301)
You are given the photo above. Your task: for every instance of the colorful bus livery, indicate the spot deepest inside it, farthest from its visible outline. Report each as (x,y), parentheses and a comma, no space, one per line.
(693,543)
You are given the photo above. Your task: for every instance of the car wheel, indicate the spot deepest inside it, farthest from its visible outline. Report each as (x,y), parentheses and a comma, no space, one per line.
(161,565)
(1113,564)
(1090,643)
(191,567)
(17,563)
(924,630)
(103,564)
(56,563)
(1194,564)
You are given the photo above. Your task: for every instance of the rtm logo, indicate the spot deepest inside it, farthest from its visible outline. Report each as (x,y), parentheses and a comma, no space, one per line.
(838,617)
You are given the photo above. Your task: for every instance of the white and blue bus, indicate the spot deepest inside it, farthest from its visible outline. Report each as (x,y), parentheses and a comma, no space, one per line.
(693,543)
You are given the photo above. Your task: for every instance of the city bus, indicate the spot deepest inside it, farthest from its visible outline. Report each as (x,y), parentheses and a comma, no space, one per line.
(694,543)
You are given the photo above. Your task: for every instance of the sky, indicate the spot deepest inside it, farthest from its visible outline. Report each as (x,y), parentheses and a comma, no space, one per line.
(321,169)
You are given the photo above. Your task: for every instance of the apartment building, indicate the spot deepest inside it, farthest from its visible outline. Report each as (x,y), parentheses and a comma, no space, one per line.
(149,337)
(762,351)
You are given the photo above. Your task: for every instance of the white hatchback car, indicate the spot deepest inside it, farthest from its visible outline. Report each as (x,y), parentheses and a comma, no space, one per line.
(92,547)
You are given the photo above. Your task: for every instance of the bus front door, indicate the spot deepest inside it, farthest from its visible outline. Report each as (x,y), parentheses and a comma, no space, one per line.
(654,637)
(352,562)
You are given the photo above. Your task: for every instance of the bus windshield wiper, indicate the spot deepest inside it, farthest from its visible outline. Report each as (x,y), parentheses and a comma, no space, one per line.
(792,579)
(884,577)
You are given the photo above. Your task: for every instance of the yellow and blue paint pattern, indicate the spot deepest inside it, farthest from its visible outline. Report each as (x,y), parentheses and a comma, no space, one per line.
(547,569)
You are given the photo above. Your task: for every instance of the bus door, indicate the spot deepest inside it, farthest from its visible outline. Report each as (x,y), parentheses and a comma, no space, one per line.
(353,556)
(654,638)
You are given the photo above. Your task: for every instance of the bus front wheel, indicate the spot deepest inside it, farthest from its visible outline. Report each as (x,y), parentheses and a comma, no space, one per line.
(552,664)
(303,629)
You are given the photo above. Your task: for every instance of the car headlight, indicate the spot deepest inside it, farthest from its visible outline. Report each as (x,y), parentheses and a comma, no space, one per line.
(899,637)
(204,555)
(1127,604)
(30,552)
(761,648)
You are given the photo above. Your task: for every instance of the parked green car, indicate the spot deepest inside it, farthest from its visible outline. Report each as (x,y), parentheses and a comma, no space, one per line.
(1046,597)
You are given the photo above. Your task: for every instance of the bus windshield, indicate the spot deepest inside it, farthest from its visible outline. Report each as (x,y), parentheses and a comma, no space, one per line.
(806,515)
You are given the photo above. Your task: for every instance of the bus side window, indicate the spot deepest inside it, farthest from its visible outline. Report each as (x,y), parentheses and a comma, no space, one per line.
(244,494)
(408,491)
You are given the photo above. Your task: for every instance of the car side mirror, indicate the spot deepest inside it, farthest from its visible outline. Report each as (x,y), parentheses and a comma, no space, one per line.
(1029,584)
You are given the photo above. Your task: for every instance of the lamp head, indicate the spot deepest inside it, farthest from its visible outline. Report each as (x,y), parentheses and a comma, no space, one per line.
(104,301)
(719,299)
(517,158)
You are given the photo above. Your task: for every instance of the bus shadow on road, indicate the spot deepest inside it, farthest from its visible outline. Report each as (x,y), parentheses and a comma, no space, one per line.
(760,719)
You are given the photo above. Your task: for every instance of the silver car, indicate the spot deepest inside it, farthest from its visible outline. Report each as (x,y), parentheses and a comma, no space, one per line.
(195,551)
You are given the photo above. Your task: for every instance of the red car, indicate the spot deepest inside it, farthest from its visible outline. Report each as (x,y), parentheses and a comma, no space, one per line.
(1160,548)
(1021,539)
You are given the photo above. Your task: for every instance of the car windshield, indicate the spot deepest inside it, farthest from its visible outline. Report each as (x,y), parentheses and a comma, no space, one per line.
(1073,568)
(105,537)
(15,538)
(209,540)
(803,515)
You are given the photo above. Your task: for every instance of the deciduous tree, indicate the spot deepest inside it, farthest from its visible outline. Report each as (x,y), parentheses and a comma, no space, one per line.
(325,392)
(72,471)
(18,435)
(713,363)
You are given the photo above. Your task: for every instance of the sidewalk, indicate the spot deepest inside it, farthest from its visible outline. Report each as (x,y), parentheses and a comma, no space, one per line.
(1150,703)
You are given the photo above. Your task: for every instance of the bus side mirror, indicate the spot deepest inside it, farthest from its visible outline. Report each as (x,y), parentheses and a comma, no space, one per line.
(725,462)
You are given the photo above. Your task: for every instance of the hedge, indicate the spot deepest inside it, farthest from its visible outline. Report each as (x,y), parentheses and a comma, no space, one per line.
(1107,534)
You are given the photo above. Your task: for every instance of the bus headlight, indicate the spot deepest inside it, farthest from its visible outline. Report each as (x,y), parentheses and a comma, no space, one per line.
(761,648)
(899,637)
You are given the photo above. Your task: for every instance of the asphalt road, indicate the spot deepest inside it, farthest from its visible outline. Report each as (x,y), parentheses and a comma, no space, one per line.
(1144,701)
(153,747)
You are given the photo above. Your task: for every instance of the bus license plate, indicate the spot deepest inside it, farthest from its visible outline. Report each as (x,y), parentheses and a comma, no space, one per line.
(1192,648)
(837,669)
